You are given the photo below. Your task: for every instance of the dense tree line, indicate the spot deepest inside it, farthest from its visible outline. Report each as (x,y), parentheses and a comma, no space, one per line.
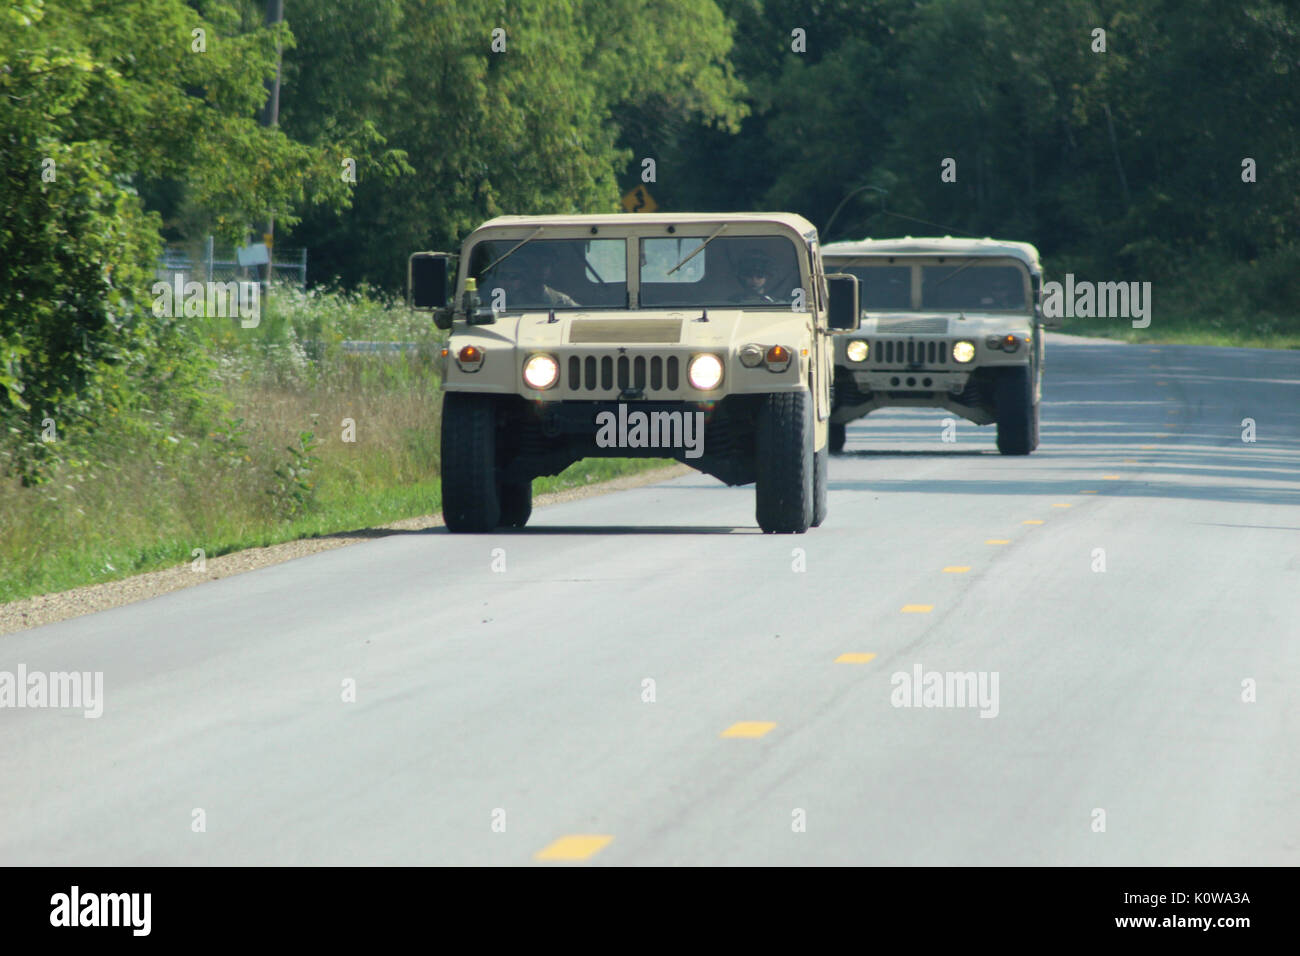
(1143,137)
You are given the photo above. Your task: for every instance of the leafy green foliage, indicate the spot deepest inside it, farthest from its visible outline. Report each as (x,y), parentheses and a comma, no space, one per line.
(100,99)
(533,128)
(294,491)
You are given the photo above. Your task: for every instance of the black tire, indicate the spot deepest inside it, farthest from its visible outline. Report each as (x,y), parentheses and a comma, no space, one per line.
(1034,445)
(469,481)
(1017,414)
(783,449)
(516,499)
(821,475)
(839,434)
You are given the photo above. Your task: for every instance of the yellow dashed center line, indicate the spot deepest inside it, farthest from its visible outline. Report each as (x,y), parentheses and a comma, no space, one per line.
(854,658)
(578,846)
(1130,461)
(917,608)
(1060,504)
(748,728)
(1111,477)
(998,541)
(1088,491)
(1146,447)
(956,569)
(1033,521)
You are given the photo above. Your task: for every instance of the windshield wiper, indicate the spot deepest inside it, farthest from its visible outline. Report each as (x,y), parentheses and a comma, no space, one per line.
(512,250)
(716,232)
(954,272)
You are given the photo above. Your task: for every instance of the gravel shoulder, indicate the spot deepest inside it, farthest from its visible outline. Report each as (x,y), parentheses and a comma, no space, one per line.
(60,606)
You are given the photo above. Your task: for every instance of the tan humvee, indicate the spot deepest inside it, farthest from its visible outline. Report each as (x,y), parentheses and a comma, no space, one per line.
(946,323)
(700,337)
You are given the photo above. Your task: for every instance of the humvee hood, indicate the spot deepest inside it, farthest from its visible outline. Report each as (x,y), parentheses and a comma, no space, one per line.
(940,323)
(724,328)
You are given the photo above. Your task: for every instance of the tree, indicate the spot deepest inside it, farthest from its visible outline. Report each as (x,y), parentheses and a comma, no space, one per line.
(100,98)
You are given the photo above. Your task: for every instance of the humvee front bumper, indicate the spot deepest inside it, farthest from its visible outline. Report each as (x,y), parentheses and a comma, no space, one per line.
(924,380)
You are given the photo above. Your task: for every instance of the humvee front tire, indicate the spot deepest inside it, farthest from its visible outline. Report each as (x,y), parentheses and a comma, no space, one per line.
(516,499)
(821,475)
(1017,414)
(784,463)
(469,481)
(839,434)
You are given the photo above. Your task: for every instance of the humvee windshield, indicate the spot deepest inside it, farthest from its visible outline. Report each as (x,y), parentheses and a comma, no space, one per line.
(972,287)
(881,288)
(968,286)
(728,272)
(551,273)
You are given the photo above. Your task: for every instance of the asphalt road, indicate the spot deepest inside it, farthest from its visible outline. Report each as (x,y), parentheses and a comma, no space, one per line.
(498,711)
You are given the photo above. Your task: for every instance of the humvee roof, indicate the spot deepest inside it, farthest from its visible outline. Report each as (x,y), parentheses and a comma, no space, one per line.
(798,223)
(1023,251)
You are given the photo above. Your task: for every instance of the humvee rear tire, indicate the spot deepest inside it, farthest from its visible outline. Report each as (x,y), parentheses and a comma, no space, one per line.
(469,481)
(839,434)
(783,449)
(516,499)
(1017,413)
(821,468)
(1034,446)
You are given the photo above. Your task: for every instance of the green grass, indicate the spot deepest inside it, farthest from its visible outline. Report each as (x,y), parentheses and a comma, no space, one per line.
(59,554)
(1191,330)
(144,493)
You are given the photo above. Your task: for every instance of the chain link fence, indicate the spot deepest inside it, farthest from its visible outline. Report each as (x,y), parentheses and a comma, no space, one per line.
(208,261)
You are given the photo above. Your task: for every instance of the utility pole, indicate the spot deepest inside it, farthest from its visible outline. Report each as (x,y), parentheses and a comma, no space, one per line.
(271,117)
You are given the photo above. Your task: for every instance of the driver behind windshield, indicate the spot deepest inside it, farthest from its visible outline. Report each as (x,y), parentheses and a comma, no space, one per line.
(754,274)
(1002,292)
(523,278)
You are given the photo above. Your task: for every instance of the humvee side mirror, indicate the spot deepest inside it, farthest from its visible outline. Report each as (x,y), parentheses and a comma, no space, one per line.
(1043,320)
(1039,317)
(429,280)
(842,290)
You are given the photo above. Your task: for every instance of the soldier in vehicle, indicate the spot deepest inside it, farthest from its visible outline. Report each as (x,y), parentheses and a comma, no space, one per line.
(523,277)
(755,275)
(1003,292)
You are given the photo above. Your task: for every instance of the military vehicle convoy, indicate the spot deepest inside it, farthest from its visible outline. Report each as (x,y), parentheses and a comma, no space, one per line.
(707,338)
(946,323)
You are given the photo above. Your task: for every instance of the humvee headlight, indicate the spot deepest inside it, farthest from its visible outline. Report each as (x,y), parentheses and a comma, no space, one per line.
(963,351)
(778,358)
(470,358)
(541,371)
(751,356)
(857,350)
(705,372)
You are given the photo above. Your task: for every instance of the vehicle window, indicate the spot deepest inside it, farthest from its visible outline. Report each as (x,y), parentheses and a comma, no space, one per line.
(972,287)
(729,272)
(551,273)
(880,288)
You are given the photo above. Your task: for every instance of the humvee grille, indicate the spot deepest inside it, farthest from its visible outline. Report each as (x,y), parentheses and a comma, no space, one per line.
(924,326)
(625,330)
(906,353)
(606,373)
